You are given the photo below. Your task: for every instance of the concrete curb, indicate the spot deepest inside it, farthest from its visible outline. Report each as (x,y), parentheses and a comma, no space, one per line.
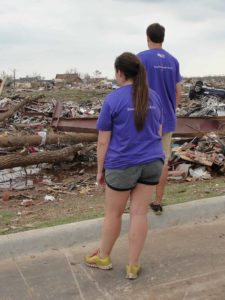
(63,236)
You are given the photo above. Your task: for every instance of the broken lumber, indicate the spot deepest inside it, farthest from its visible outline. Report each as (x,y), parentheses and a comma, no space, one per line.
(21,160)
(2,84)
(9,113)
(51,139)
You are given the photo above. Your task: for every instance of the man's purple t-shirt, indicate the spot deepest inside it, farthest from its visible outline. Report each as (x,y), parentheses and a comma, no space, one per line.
(129,147)
(163,74)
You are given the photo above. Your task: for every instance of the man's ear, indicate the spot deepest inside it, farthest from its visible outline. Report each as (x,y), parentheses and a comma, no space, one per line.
(148,41)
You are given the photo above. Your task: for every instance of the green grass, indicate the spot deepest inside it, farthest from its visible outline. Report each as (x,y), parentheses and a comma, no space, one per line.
(69,219)
(6,218)
(188,191)
(49,223)
(74,95)
(64,95)
(94,208)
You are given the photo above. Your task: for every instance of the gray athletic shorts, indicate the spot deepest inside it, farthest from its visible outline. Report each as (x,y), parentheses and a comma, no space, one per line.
(126,179)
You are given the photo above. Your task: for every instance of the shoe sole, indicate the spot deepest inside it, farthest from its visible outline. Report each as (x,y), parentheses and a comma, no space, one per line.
(108,267)
(133,276)
(158,213)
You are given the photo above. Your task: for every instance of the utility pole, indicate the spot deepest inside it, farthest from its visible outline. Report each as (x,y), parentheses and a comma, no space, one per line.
(14,79)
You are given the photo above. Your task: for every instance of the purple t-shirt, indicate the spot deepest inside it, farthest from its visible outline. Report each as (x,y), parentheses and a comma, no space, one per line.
(129,147)
(163,75)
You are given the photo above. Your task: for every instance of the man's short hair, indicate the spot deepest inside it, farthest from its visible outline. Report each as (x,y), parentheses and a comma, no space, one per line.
(156,33)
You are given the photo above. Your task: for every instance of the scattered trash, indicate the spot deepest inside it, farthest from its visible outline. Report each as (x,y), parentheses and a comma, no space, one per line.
(199,172)
(27,202)
(6,196)
(49,198)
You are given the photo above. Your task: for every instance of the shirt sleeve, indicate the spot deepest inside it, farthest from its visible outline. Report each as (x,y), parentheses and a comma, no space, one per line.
(104,122)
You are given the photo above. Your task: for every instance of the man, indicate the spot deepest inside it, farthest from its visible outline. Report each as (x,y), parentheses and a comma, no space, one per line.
(163,77)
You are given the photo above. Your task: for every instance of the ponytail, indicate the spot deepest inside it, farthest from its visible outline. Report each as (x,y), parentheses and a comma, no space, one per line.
(140,97)
(133,69)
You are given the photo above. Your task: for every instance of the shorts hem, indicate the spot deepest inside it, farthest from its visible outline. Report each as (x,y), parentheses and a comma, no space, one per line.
(118,189)
(148,183)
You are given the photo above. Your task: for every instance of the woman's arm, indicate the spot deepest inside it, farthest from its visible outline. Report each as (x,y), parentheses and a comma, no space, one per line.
(102,146)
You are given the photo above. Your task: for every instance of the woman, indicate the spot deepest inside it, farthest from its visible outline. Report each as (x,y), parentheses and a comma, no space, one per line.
(130,160)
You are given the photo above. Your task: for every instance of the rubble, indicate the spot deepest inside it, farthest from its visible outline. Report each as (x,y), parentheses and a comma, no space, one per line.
(202,100)
(198,158)
(38,132)
(46,178)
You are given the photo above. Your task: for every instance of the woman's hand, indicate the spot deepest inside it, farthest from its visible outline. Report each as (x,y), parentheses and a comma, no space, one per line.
(100,178)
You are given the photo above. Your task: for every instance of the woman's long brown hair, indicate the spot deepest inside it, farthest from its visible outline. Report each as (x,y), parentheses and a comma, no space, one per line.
(132,68)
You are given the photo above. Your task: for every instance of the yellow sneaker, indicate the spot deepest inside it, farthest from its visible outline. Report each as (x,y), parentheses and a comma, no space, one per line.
(132,271)
(96,262)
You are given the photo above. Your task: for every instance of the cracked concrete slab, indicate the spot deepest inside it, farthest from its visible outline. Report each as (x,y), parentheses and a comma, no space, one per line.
(179,263)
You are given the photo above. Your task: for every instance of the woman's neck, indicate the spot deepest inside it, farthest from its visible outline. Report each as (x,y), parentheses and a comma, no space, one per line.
(127,82)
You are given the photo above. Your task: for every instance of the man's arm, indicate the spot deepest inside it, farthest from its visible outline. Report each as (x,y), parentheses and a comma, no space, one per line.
(178,93)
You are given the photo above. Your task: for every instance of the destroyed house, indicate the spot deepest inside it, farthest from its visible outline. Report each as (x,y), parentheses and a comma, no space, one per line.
(68,78)
(33,82)
(27,82)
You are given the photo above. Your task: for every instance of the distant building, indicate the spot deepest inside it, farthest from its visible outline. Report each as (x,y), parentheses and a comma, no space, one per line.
(33,83)
(25,82)
(64,79)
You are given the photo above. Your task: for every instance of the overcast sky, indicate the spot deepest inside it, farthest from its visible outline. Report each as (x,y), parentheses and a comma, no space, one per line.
(52,36)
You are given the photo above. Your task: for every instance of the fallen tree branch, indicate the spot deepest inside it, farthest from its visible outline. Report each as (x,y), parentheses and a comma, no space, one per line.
(36,140)
(19,160)
(9,113)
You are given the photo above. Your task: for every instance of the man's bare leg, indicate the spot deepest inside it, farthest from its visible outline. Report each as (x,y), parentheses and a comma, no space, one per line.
(156,206)
(160,188)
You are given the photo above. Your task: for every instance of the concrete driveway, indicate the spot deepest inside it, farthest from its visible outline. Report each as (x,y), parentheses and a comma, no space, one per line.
(179,263)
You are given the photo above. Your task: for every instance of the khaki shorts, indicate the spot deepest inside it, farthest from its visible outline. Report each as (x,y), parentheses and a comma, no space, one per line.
(166,143)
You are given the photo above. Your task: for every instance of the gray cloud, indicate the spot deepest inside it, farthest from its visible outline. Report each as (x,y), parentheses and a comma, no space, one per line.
(48,36)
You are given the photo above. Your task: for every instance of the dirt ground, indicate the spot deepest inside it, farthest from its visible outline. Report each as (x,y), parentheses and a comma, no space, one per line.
(49,198)
(58,196)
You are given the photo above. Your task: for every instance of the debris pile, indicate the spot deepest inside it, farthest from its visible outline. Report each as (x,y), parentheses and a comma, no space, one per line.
(199,158)
(34,112)
(37,132)
(29,143)
(203,101)
(72,110)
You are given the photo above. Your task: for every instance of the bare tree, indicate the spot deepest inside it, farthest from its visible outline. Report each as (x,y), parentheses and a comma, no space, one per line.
(37,75)
(3,74)
(73,71)
(87,78)
(97,73)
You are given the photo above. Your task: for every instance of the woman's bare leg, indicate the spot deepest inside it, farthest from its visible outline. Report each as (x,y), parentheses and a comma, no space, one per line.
(138,221)
(115,203)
